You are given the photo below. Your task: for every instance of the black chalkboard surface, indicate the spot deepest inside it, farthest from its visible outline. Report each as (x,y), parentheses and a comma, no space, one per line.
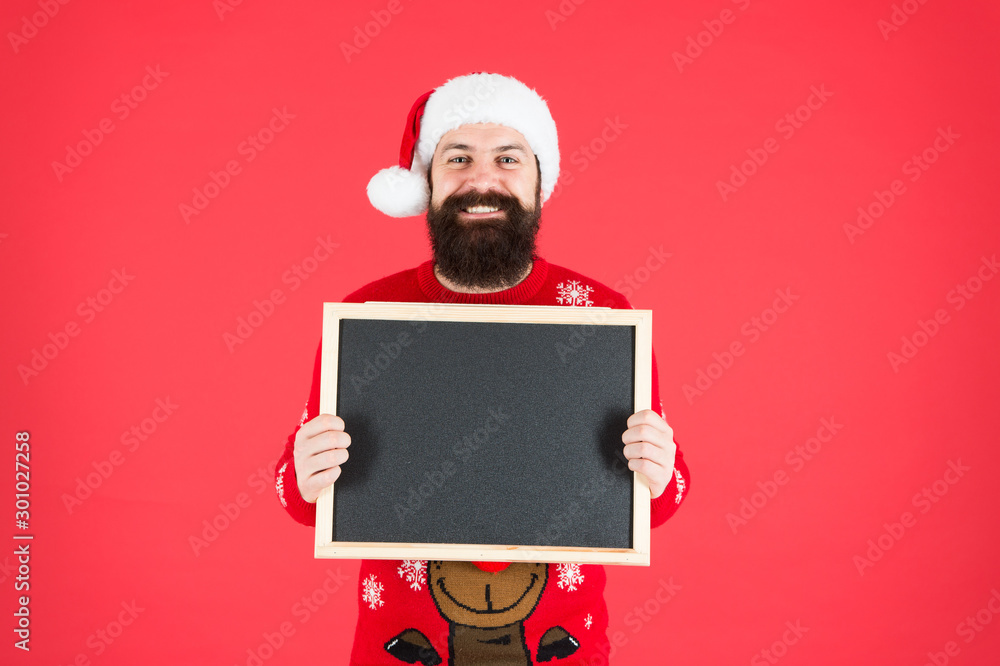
(485,432)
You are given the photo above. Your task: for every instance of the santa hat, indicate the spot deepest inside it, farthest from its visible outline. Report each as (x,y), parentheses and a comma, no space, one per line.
(401,191)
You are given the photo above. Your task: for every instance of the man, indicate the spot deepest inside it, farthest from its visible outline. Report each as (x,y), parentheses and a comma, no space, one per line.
(480,155)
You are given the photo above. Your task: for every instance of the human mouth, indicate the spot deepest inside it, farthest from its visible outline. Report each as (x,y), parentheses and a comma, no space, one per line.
(480,210)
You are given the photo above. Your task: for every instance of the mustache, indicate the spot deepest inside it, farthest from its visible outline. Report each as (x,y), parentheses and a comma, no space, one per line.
(458,202)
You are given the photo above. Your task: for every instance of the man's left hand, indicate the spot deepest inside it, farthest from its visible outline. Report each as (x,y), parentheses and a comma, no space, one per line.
(650,449)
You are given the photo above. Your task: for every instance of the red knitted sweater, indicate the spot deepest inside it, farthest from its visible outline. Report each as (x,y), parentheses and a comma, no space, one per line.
(399,617)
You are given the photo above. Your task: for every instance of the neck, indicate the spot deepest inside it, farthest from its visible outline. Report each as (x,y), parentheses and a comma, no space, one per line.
(467,289)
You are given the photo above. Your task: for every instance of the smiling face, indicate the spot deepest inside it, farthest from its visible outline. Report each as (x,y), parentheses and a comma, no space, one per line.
(484,157)
(485,206)
(466,595)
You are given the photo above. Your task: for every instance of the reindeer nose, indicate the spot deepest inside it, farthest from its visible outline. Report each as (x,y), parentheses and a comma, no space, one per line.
(492,567)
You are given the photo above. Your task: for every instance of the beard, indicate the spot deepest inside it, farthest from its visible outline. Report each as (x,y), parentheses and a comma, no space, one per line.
(490,253)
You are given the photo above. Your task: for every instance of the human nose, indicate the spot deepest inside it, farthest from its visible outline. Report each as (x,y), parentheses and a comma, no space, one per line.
(483,177)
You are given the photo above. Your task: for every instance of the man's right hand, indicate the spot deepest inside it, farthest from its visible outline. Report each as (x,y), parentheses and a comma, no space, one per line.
(320,449)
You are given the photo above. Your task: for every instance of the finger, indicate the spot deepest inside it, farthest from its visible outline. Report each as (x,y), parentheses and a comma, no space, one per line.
(649,468)
(332,439)
(647,416)
(317,482)
(646,451)
(320,462)
(306,467)
(663,457)
(331,459)
(321,423)
(656,476)
(324,441)
(645,433)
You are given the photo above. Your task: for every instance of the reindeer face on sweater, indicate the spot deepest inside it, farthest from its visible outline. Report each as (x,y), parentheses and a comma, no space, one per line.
(469,596)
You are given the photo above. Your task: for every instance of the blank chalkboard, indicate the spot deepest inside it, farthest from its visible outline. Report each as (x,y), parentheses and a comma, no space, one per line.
(485,432)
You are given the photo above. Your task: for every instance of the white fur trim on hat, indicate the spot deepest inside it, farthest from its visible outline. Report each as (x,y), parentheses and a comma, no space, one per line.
(399,192)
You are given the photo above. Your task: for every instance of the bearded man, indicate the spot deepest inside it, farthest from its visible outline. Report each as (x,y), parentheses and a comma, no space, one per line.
(480,154)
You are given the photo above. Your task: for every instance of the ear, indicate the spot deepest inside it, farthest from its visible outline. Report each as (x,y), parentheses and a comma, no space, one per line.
(412,647)
(556,643)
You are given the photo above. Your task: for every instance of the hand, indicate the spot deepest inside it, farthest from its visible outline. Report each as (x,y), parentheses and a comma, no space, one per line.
(320,449)
(650,449)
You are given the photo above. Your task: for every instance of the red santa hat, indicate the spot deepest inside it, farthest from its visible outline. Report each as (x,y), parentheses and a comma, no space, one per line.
(401,191)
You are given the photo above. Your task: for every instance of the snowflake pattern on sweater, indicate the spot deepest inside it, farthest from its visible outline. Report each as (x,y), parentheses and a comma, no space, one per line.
(572,292)
(279,484)
(372,592)
(569,576)
(414,572)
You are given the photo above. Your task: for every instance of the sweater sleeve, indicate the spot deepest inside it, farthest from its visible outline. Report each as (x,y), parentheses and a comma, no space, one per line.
(667,504)
(286,484)
(664,506)
(285,481)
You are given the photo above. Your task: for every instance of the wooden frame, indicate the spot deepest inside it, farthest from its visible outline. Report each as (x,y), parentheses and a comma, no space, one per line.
(641,320)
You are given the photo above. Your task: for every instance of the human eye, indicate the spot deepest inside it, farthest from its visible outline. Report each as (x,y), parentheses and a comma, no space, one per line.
(457,158)
(509,159)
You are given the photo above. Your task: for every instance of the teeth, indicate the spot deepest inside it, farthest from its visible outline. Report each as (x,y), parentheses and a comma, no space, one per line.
(481,209)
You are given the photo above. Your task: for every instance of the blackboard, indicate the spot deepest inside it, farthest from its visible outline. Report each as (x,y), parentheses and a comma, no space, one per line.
(485,432)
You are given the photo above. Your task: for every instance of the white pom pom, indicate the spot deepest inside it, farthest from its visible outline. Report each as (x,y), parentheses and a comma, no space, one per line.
(398,192)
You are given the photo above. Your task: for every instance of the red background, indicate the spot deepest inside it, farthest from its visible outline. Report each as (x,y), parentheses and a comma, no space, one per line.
(655,185)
